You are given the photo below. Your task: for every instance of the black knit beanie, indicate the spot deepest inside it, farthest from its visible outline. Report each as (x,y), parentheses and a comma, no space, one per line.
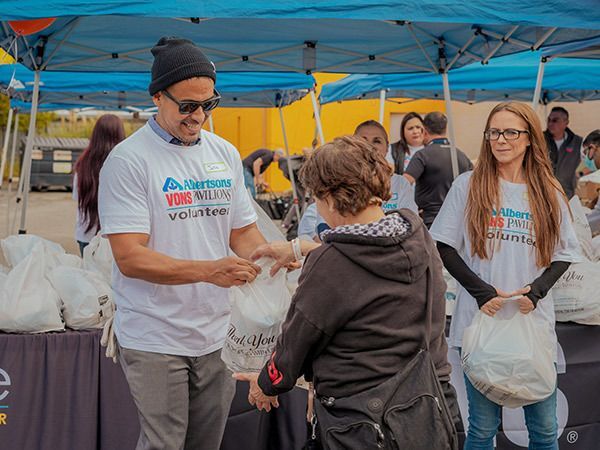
(177,59)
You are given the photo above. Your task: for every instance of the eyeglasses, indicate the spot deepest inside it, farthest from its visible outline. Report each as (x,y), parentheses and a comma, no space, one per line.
(187,107)
(510,134)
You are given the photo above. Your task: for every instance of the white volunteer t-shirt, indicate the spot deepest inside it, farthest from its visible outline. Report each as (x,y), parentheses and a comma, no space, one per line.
(403,195)
(80,223)
(188,199)
(513,265)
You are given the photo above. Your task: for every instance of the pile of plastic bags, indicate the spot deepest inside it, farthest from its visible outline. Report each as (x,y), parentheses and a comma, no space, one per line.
(575,294)
(46,289)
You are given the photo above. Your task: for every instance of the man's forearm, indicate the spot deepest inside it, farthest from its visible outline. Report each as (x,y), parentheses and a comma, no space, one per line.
(148,265)
(244,241)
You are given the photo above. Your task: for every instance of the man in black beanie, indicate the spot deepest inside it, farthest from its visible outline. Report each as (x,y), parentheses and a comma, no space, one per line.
(172,203)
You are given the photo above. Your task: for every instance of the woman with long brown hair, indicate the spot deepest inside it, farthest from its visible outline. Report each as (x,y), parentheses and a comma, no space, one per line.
(505,231)
(411,141)
(107,133)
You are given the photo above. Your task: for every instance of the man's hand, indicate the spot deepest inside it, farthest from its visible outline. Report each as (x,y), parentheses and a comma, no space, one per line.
(233,271)
(255,395)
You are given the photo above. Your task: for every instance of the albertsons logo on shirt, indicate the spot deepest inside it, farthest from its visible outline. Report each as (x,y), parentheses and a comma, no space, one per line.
(191,198)
(512,225)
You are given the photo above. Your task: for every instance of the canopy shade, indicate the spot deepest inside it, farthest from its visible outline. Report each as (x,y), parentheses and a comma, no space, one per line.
(68,90)
(580,14)
(325,36)
(506,78)
(584,48)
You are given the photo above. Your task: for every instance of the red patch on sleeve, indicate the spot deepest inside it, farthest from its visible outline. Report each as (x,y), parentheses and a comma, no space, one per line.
(274,374)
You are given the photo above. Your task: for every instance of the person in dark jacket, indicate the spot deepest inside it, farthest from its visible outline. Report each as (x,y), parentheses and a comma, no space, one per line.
(359,313)
(564,148)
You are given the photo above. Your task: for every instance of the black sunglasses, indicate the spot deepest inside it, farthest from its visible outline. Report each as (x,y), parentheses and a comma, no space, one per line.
(188,106)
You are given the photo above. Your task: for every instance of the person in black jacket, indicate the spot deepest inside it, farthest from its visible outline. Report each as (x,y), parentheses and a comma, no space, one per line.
(359,314)
(564,148)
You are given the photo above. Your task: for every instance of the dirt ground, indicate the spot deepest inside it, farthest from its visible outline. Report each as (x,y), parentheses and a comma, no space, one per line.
(50,215)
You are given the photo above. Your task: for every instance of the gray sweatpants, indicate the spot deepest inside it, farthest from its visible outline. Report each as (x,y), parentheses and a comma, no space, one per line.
(182,402)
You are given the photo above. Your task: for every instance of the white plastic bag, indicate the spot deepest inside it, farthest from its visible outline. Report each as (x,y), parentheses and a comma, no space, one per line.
(576,294)
(85,295)
(17,247)
(257,311)
(510,361)
(28,303)
(582,228)
(271,232)
(98,257)
(266,226)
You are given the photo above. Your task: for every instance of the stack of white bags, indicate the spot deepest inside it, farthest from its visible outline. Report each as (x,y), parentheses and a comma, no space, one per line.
(46,289)
(577,293)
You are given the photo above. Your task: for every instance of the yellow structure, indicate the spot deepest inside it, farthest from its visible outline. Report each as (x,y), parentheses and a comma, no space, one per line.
(5,58)
(252,128)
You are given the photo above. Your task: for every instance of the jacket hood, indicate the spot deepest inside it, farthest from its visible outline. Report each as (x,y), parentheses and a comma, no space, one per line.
(402,258)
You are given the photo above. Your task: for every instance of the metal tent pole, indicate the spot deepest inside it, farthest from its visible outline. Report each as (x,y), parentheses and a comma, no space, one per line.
(211,124)
(538,84)
(11,171)
(313,97)
(6,141)
(26,169)
(291,172)
(448,100)
(381,105)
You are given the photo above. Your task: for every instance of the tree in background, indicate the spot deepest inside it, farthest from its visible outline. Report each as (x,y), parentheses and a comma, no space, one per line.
(43,119)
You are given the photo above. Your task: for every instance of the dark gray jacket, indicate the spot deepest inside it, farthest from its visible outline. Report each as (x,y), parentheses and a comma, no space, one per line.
(358,315)
(565,159)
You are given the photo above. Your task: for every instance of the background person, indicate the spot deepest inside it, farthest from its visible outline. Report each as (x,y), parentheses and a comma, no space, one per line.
(564,148)
(493,257)
(173,206)
(255,165)
(402,193)
(591,151)
(430,169)
(108,132)
(323,336)
(411,141)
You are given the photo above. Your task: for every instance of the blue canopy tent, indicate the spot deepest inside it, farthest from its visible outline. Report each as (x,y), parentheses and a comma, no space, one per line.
(366,36)
(128,91)
(583,49)
(587,48)
(507,77)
